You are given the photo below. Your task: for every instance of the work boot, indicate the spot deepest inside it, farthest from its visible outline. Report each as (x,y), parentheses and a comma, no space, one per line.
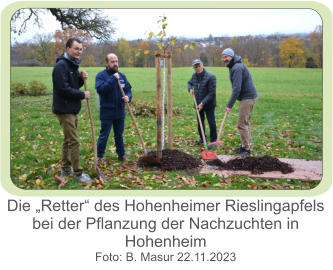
(64,173)
(198,142)
(123,158)
(244,152)
(85,178)
(238,150)
(212,145)
(101,160)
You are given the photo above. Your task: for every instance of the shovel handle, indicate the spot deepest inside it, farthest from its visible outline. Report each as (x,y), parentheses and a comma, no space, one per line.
(200,123)
(91,125)
(133,119)
(221,126)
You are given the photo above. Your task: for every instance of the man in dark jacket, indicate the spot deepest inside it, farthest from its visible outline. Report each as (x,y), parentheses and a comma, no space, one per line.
(112,105)
(67,104)
(203,86)
(243,90)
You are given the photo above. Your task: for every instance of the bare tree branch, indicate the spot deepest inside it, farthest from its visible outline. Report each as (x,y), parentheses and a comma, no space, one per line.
(26,15)
(92,21)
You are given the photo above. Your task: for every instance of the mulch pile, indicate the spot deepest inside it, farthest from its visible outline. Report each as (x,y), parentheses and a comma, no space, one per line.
(257,165)
(172,160)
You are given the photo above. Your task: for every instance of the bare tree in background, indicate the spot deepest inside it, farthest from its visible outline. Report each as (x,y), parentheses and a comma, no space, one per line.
(92,21)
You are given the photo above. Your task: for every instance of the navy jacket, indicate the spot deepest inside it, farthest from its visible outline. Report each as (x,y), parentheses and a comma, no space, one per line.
(66,83)
(110,98)
(241,80)
(204,86)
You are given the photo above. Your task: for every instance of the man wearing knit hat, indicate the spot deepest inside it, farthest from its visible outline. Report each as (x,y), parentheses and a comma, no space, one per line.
(243,90)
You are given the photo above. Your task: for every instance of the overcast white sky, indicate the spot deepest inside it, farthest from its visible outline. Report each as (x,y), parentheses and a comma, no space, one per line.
(218,22)
(135,23)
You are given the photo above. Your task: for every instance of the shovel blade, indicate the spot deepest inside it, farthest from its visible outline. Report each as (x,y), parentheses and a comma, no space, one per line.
(101,175)
(208,155)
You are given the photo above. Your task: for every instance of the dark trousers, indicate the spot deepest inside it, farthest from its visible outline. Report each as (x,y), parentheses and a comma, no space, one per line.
(210,114)
(118,130)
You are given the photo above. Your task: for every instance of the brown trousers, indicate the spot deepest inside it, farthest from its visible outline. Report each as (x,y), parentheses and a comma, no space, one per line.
(245,109)
(71,144)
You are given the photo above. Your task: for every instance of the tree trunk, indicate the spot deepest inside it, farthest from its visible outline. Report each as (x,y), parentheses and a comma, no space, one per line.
(158,105)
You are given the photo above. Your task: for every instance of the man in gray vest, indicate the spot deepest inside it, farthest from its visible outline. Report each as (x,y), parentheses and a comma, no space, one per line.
(243,90)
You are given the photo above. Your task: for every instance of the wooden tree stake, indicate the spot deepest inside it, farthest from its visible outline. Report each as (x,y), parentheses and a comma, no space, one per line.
(158,105)
(169,100)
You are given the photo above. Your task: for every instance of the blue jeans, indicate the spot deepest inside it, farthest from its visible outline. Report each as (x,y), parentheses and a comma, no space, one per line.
(118,130)
(210,113)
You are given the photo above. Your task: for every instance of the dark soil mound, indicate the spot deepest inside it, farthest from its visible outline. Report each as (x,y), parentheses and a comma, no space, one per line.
(257,165)
(172,160)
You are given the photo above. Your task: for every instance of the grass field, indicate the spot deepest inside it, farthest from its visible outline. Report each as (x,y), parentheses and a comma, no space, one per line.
(286,123)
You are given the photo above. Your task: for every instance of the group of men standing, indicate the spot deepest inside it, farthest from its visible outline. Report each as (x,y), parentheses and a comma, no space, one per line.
(67,98)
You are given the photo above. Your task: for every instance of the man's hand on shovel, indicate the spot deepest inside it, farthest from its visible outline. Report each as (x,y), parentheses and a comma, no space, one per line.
(125,99)
(200,107)
(86,94)
(84,76)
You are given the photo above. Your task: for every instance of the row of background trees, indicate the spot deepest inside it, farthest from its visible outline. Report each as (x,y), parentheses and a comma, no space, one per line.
(278,50)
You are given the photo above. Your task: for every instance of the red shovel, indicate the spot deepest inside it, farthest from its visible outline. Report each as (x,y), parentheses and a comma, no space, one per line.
(218,142)
(205,154)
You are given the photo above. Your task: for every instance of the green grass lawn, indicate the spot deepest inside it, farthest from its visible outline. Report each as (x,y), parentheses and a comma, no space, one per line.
(286,123)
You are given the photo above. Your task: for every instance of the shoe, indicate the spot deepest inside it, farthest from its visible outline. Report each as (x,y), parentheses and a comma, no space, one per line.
(198,142)
(101,160)
(64,173)
(244,152)
(211,145)
(123,158)
(238,150)
(85,178)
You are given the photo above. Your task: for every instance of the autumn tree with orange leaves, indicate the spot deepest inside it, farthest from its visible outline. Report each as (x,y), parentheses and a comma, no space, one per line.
(61,37)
